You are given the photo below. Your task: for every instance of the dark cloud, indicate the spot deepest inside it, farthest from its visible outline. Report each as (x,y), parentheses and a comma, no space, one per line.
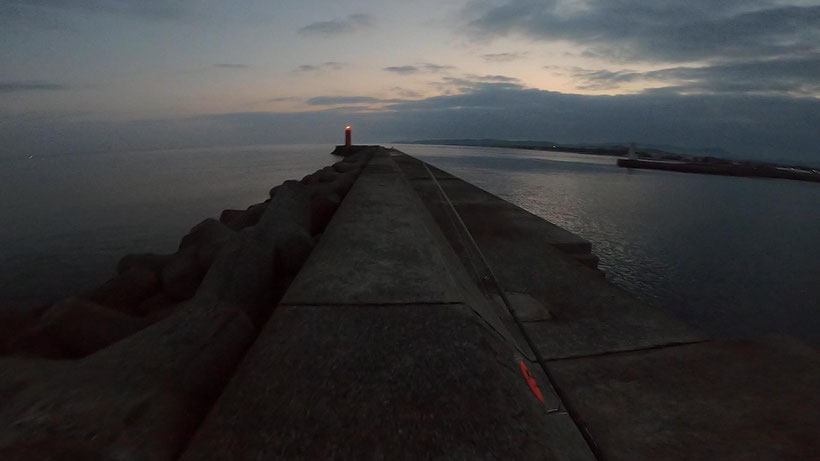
(502,57)
(405,93)
(33,10)
(74,15)
(492,78)
(788,76)
(403,70)
(338,100)
(424,67)
(325,66)
(472,83)
(657,30)
(231,66)
(352,23)
(430,67)
(16,87)
(333,65)
(282,99)
(749,126)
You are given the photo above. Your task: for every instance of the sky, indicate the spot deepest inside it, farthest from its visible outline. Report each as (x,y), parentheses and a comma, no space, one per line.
(96,75)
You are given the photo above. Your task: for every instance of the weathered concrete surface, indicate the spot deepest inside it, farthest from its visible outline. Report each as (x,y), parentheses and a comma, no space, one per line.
(375,238)
(711,400)
(138,399)
(74,327)
(377,352)
(393,345)
(401,358)
(588,314)
(142,397)
(381,382)
(526,308)
(474,204)
(734,400)
(347,151)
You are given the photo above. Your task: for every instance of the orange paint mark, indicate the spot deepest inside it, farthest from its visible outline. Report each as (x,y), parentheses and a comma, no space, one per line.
(530,381)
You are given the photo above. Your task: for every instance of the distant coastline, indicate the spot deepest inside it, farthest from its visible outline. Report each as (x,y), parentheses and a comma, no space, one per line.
(652,157)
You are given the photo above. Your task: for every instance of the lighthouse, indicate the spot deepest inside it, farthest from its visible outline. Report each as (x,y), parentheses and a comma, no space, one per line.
(348,148)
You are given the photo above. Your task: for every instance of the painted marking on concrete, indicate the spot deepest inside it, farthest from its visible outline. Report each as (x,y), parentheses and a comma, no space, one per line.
(530,381)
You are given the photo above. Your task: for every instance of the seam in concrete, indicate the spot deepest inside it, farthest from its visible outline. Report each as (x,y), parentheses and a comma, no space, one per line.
(588,436)
(374,304)
(628,351)
(428,179)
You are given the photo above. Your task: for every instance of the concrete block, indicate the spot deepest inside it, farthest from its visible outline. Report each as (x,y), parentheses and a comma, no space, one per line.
(729,400)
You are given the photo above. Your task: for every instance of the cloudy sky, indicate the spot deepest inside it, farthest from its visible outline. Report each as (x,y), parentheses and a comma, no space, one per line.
(743,75)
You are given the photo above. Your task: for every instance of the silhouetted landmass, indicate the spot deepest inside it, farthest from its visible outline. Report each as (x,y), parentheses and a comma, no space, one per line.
(726,168)
(653,157)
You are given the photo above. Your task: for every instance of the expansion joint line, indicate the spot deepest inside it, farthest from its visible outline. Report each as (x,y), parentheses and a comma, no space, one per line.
(372,304)
(631,351)
(503,294)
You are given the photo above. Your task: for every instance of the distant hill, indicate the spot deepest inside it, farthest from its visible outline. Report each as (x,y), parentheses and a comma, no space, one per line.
(668,148)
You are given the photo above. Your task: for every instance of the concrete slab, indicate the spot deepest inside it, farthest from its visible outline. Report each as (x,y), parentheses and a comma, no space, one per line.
(521,224)
(414,168)
(474,203)
(588,314)
(381,382)
(376,249)
(475,290)
(460,191)
(527,308)
(734,400)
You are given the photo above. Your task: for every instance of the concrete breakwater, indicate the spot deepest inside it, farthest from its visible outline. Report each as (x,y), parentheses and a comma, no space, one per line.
(430,320)
(128,370)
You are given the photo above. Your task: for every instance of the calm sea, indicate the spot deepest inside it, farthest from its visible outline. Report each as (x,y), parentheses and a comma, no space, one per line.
(732,256)
(66,220)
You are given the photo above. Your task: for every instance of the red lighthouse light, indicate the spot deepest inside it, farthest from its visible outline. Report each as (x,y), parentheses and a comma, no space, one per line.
(347,135)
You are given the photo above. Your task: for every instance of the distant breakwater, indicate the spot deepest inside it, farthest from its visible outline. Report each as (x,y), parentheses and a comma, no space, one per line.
(723,169)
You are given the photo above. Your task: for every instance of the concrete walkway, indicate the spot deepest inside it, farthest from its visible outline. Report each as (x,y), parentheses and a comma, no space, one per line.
(642,385)
(393,343)
(378,352)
